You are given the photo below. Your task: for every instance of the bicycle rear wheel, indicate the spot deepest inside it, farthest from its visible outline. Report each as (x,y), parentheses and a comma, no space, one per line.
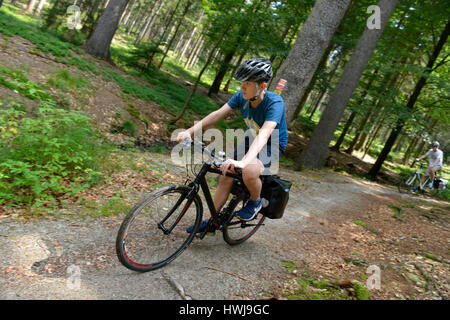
(236,231)
(430,191)
(408,183)
(154,232)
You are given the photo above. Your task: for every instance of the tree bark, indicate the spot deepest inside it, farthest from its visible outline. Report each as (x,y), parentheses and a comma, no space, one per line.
(410,105)
(183,15)
(30,6)
(322,65)
(188,100)
(311,43)
(188,43)
(38,8)
(352,117)
(100,41)
(313,156)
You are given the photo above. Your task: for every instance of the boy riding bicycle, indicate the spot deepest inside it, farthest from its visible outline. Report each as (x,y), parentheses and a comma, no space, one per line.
(436,158)
(264,113)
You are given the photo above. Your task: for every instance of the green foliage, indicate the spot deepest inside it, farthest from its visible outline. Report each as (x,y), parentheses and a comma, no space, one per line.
(142,55)
(360,223)
(127,127)
(43,156)
(45,41)
(361,292)
(47,151)
(16,80)
(66,80)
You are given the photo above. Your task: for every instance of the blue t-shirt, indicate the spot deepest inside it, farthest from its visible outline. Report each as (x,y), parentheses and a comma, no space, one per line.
(271,108)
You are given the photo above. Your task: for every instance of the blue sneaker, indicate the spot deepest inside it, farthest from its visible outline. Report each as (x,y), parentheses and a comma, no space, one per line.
(200,229)
(251,209)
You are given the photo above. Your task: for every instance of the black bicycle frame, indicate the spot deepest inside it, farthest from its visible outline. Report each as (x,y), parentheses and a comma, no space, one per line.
(200,182)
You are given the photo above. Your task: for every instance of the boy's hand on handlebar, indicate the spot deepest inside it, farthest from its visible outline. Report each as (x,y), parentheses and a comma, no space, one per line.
(183,136)
(231,165)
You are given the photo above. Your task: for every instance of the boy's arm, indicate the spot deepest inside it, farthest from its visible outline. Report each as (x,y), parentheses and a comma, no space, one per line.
(207,121)
(259,142)
(422,157)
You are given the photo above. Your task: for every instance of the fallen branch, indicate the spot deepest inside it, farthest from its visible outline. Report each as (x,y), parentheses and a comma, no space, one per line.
(433,257)
(431,283)
(232,274)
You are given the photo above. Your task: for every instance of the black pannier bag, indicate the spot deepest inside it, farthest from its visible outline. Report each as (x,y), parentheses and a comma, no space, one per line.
(275,196)
(436,182)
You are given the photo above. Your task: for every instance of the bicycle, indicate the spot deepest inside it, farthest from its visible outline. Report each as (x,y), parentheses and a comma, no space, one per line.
(152,235)
(411,183)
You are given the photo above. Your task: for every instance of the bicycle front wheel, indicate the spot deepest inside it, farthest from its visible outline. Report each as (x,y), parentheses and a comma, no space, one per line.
(409,183)
(154,232)
(236,231)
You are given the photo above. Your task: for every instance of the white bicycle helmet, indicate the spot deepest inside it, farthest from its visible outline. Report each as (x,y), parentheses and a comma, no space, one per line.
(255,69)
(435,144)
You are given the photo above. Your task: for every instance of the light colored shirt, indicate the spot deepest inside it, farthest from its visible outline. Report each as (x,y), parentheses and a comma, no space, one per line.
(434,155)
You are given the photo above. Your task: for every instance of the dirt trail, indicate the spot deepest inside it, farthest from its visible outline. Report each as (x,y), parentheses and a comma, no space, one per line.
(36,256)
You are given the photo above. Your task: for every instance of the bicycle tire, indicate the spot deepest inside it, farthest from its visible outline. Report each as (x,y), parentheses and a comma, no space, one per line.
(236,231)
(430,191)
(141,233)
(408,183)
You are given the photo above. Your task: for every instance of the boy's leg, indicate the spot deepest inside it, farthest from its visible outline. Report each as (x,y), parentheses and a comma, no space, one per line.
(250,175)
(222,192)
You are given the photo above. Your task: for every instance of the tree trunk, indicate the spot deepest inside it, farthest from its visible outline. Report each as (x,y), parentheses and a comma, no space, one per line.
(30,6)
(188,43)
(128,11)
(197,44)
(313,155)
(227,85)
(412,145)
(208,60)
(322,65)
(149,19)
(374,135)
(131,23)
(312,41)
(350,120)
(411,102)
(99,43)
(38,8)
(146,30)
(163,35)
(183,15)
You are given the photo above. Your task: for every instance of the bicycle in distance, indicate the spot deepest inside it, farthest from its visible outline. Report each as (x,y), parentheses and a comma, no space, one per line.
(411,183)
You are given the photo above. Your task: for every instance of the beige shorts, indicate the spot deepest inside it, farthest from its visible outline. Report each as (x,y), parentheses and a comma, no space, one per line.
(434,168)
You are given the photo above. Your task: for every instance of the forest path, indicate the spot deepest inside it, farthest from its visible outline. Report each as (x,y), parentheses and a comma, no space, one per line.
(37,257)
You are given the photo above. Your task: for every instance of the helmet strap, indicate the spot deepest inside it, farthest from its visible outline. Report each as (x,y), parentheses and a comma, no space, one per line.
(258,93)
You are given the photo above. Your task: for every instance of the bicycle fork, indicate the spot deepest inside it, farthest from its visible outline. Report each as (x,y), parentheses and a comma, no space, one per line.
(190,199)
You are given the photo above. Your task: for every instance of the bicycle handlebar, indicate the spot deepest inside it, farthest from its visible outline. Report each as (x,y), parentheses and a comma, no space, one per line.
(218,159)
